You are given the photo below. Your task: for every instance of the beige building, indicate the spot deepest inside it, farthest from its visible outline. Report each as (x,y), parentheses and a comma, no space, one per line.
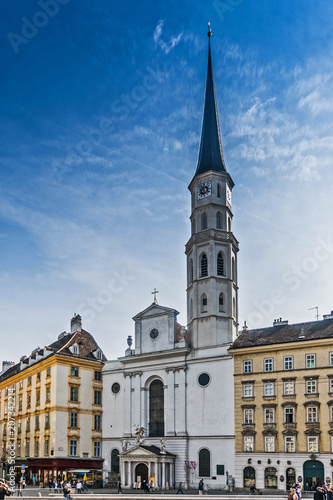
(51,409)
(283,384)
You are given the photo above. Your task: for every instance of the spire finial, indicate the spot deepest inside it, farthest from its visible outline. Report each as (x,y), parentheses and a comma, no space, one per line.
(209,34)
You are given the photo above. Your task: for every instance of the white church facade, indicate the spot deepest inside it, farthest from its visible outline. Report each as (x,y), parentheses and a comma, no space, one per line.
(168,404)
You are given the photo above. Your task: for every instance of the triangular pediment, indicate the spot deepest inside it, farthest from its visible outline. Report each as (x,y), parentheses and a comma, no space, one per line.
(139,450)
(154,310)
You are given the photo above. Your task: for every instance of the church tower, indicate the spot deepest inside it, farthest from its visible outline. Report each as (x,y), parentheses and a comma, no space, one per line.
(212,291)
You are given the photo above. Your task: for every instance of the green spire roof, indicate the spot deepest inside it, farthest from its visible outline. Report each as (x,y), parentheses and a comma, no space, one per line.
(210,154)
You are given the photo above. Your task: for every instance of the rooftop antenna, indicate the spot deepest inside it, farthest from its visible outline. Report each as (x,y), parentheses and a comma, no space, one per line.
(317,308)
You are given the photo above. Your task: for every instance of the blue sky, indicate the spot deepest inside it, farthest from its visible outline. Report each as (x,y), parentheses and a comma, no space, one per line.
(101,106)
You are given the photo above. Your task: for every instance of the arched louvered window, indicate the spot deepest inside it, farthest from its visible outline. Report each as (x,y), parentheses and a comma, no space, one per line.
(203,303)
(221,303)
(229,224)
(219,190)
(204,463)
(220,264)
(204,221)
(218,220)
(203,265)
(156,409)
(193,226)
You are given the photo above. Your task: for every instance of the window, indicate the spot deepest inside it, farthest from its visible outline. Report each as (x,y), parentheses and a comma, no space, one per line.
(73,420)
(97,397)
(218,190)
(203,303)
(221,302)
(204,463)
(37,397)
(249,477)
(74,393)
(269,389)
(310,361)
(311,386)
(28,400)
(204,221)
(191,271)
(27,448)
(19,426)
(156,409)
(248,390)
(218,220)
(268,365)
(269,415)
(48,371)
(220,264)
(288,388)
(47,420)
(203,266)
(312,414)
(46,447)
(312,444)
(75,349)
(247,365)
(97,422)
(38,376)
(47,393)
(270,443)
(98,375)
(18,448)
(115,388)
(73,447)
(115,461)
(331,384)
(289,415)
(74,371)
(28,424)
(37,423)
(29,380)
(331,358)
(20,403)
(204,379)
(97,448)
(290,444)
(248,443)
(288,362)
(248,416)
(36,447)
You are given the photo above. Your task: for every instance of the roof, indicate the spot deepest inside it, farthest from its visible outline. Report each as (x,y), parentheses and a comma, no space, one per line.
(87,346)
(284,333)
(210,154)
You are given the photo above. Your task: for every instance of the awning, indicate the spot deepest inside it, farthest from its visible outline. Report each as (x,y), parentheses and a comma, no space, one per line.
(79,471)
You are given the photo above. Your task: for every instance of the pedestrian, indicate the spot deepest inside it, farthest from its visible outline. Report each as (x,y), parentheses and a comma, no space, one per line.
(19,489)
(4,489)
(119,486)
(298,491)
(85,486)
(329,492)
(319,494)
(292,494)
(201,487)
(180,488)
(79,486)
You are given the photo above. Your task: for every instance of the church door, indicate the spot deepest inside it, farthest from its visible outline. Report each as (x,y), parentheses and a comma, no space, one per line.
(141,471)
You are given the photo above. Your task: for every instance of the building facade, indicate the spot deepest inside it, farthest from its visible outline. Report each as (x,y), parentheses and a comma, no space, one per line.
(284,404)
(51,409)
(168,403)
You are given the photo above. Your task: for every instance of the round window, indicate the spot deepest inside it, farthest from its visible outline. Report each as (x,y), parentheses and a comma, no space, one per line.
(115,388)
(204,379)
(154,333)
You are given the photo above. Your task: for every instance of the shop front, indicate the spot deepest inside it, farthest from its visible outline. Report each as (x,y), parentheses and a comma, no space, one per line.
(42,472)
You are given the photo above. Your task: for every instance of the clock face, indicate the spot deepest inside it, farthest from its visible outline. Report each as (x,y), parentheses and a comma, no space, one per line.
(228,195)
(204,190)
(154,333)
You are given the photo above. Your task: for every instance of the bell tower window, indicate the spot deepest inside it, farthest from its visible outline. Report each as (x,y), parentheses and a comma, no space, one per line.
(191,271)
(219,190)
(218,220)
(193,226)
(233,269)
(203,266)
(220,264)
(204,221)
(221,302)
(204,303)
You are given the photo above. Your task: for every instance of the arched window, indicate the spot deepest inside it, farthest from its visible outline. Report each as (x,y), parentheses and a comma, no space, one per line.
(249,477)
(156,409)
(115,461)
(203,265)
(229,224)
(191,308)
(204,221)
(218,220)
(193,226)
(204,463)
(220,264)
(233,276)
(221,303)
(203,303)
(191,271)
(270,477)
(219,190)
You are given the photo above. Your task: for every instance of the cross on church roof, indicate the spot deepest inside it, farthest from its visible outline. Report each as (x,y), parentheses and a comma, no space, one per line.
(155,292)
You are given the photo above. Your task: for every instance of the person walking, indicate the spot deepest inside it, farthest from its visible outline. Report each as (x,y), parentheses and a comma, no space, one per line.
(319,494)
(180,488)
(119,486)
(201,487)
(329,492)
(4,489)
(19,489)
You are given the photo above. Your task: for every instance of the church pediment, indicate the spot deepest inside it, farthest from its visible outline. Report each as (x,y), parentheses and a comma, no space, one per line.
(154,310)
(148,451)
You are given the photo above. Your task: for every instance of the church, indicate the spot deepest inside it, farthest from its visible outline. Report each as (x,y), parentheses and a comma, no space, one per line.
(168,403)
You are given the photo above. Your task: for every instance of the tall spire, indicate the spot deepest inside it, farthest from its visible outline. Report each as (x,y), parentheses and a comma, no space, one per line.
(210,154)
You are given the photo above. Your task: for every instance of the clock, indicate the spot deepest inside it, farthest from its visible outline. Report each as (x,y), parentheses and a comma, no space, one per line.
(204,190)
(228,194)
(154,333)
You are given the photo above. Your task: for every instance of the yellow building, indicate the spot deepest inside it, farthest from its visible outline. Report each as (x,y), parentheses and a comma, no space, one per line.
(283,387)
(51,409)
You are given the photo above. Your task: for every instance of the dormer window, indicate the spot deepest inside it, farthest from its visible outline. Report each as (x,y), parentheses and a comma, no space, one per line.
(98,354)
(74,349)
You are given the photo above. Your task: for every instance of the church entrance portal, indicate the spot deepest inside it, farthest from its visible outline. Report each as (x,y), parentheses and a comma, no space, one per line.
(313,473)
(141,473)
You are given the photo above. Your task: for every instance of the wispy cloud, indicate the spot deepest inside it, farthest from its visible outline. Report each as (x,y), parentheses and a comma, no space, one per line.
(166,46)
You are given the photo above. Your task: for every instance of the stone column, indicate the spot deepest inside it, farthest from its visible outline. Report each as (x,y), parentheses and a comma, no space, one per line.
(122,473)
(170,403)
(157,478)
(181,429)
(163,475)
(128,405)
(136,399)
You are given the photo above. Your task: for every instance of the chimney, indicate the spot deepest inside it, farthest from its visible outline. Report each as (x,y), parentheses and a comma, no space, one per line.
(76,323)
(245,327)
(280,322)
(6,365)
(328,316)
